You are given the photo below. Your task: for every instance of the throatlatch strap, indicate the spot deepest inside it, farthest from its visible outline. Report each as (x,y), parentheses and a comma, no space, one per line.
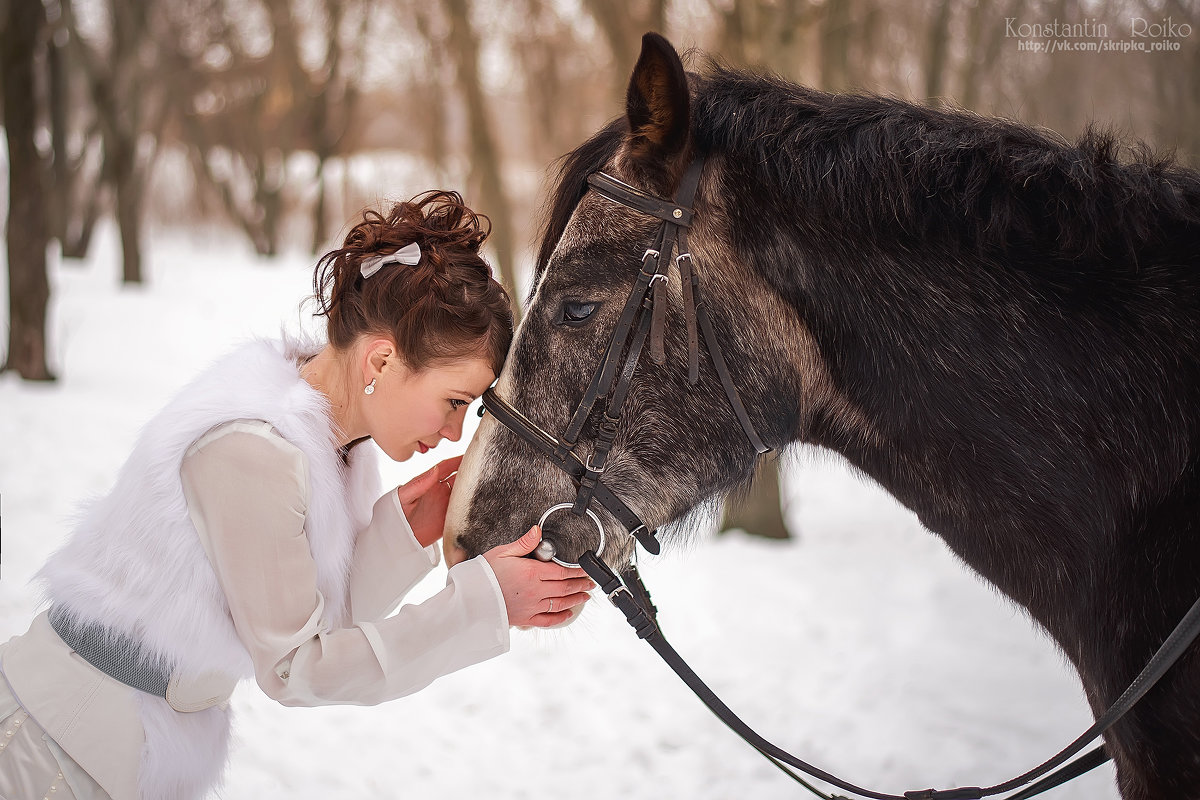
(718,359)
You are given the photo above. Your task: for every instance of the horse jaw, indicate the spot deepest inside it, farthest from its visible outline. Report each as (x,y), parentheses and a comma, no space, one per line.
(465,484)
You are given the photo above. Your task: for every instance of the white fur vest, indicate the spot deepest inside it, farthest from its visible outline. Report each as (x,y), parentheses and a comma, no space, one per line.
(134,562)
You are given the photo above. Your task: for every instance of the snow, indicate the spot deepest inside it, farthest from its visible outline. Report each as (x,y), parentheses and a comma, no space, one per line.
(864,646)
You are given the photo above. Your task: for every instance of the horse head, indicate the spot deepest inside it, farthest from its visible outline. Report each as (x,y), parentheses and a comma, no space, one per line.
(678,442)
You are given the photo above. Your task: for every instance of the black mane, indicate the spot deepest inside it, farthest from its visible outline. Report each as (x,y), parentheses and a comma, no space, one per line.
(938,174)
(934,174)
(570,184)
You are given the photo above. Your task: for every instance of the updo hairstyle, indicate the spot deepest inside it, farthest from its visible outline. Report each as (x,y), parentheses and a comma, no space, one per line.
(447,306)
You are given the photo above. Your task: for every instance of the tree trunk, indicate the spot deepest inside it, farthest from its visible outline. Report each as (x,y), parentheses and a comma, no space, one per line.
(129,209)
(485,155)
(835,46)
(939,46)
(760,512)
(319,234)
(58,210)
(28,285)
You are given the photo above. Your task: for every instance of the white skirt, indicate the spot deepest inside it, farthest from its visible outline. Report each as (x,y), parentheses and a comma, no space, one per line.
(32,765)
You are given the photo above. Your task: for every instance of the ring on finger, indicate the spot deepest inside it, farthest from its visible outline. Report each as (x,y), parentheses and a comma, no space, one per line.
(551,605)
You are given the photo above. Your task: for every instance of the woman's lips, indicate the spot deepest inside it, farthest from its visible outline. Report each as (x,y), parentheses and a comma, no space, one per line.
(422,446)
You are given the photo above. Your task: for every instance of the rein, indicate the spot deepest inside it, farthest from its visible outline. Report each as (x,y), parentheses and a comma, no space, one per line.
(642,318)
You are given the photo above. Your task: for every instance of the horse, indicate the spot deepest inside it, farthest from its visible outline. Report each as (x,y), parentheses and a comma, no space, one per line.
(998,326)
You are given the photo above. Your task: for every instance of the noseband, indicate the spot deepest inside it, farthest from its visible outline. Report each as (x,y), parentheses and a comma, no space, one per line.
(644,316)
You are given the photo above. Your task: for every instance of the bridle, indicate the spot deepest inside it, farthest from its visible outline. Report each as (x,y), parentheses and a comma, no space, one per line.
(642,317)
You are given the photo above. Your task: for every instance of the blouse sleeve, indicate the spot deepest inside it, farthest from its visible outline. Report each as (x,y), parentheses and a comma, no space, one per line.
(246,493)
(388,561)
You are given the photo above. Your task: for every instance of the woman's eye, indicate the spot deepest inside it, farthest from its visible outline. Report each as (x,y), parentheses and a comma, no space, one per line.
(456,404)
(574,312)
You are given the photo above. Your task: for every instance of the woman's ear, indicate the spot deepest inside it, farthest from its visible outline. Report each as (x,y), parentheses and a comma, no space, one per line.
(657,104)
(377,354)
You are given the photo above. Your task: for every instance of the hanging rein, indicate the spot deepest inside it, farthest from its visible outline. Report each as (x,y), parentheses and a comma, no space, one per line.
(643,317)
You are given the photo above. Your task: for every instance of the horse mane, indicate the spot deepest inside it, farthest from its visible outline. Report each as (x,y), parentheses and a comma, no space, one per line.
(889,167)
(896,168)
(570,184)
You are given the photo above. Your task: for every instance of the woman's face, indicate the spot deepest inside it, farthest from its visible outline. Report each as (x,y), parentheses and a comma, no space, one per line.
(411,412)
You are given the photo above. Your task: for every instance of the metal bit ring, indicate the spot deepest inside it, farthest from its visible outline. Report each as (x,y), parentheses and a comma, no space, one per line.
(590,513)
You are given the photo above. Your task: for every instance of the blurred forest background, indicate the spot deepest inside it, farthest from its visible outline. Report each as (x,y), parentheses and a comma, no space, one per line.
(280,120)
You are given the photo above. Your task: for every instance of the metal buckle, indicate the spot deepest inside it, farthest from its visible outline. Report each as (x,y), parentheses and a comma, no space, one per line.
(650,252)
(682,256)
(590,468)
(658,276)
(617,591)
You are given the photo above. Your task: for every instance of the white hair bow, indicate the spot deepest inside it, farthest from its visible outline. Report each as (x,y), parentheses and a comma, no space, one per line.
(408,255)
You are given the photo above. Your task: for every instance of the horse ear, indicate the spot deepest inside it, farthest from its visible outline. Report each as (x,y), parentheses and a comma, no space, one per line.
(657,103)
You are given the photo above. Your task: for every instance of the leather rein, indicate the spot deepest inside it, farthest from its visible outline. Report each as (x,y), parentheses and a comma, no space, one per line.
(643,317)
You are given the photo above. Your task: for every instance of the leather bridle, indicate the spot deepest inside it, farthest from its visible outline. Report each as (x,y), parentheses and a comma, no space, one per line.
(644,317)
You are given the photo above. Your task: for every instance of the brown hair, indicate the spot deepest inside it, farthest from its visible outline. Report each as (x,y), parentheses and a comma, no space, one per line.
(446,306)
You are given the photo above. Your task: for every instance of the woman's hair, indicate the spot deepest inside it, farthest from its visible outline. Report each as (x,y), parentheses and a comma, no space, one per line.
(445,307)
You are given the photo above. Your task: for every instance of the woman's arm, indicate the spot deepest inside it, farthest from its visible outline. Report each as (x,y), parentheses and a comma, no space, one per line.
(388,561)
(247,495)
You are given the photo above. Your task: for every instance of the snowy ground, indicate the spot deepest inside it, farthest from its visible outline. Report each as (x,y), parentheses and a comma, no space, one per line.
(864,647)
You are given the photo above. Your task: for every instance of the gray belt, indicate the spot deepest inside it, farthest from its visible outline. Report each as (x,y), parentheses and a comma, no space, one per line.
(114,654)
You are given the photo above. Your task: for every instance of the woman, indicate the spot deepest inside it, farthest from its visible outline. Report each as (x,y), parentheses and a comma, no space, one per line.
(246,535)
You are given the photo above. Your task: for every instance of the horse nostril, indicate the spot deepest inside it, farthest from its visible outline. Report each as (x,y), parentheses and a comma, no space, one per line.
(545,550)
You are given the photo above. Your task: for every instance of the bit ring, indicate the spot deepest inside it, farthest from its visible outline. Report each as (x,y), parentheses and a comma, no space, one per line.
(590,513)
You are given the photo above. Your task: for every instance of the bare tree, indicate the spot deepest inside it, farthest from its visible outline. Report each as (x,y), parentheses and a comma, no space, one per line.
(248,112)
(78,185)
(335,94)
(622,25)
(1176,82)
(123,69)
(766,36)
(836,29)
(28,287)
(937,46)
(484,154)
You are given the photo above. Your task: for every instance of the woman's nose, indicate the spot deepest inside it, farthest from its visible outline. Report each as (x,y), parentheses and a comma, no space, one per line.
(453,429)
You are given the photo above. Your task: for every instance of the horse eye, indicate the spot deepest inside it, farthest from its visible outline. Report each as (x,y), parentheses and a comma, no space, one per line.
(574,312)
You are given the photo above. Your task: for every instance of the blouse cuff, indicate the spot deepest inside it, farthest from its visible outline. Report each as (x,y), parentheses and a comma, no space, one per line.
(474,577)
(432,552)
(388,561)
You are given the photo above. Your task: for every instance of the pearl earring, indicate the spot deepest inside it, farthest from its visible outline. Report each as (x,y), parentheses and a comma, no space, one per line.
(370,389)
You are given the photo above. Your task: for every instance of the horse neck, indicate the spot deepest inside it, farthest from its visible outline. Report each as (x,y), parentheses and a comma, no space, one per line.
(1016,428)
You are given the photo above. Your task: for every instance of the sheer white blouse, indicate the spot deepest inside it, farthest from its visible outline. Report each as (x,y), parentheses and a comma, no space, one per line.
(246,492)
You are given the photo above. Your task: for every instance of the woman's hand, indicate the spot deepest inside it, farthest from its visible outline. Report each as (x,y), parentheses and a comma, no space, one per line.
(537,593)
(424,500)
